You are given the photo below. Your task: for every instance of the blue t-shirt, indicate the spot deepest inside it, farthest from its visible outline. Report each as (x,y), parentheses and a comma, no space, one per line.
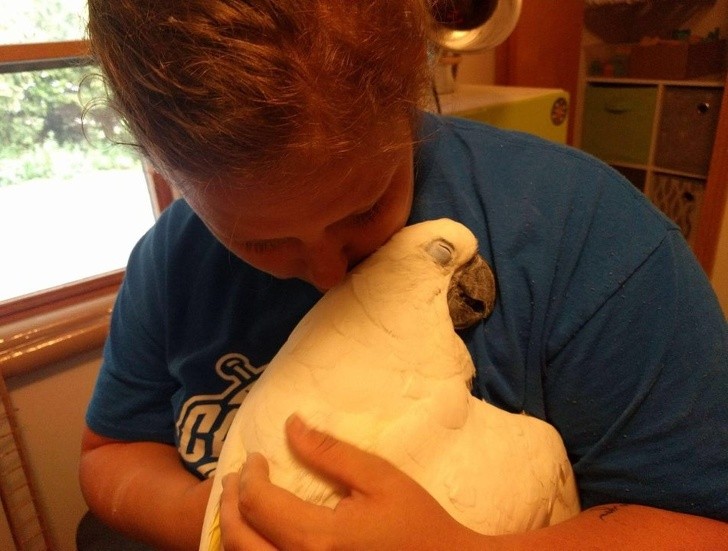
(604,325)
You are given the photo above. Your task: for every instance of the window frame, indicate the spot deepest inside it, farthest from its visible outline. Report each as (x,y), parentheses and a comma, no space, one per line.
(53,324)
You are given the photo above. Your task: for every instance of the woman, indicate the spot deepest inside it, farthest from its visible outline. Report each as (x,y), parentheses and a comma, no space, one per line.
(293,131)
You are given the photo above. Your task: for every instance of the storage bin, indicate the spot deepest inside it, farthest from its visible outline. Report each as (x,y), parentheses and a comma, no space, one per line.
(618,122)
(680,199)
(687,126)
(677,59)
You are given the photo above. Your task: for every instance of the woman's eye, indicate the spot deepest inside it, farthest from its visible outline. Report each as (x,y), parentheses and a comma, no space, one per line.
(262,246)
(370,215)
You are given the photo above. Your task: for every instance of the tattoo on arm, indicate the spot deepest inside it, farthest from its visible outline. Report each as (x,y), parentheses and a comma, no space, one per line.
(610,509)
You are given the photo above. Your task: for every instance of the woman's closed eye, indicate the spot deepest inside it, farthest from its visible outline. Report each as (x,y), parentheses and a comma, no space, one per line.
(264,246)
(368,216)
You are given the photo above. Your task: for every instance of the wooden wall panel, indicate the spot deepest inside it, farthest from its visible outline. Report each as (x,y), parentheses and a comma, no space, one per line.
(545,49)
(716,195)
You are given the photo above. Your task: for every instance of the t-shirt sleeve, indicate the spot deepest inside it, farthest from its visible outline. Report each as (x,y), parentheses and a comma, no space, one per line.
(638,391)
(132,396)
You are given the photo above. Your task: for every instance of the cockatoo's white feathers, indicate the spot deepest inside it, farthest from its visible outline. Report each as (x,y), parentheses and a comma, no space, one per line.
(377,363)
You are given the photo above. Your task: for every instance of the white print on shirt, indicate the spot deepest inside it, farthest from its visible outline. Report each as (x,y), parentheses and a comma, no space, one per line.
(204,419)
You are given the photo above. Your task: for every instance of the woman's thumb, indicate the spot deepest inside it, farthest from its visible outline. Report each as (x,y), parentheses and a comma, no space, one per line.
(330,457)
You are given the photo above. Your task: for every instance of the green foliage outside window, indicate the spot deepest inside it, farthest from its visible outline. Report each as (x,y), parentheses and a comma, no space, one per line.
(53,122)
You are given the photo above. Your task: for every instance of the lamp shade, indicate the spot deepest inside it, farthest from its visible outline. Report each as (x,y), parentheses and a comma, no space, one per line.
(469,26)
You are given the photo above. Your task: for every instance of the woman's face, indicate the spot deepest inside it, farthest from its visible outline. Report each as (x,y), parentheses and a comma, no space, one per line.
(315,229)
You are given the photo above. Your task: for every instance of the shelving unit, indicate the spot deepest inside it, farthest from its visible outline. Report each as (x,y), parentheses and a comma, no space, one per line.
(659,134)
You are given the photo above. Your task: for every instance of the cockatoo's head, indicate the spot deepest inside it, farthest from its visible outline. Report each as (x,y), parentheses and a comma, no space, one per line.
(432,258)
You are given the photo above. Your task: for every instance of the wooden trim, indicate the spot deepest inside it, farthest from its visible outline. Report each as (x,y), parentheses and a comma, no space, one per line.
(502,63)
(44,302)
(716,194)
(161,191)
(33,343)
(716,82)
(13,53)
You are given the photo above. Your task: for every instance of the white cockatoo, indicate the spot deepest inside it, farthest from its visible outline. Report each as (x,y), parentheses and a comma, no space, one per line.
(377,363)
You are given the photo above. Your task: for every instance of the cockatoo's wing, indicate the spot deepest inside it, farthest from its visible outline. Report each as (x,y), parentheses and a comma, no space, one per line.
(232,457)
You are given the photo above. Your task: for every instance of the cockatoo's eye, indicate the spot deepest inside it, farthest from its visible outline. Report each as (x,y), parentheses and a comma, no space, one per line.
(441,251)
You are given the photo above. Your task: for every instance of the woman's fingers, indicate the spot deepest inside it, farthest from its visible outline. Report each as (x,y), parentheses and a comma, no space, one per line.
(277,515)
(236,533)
(338,461)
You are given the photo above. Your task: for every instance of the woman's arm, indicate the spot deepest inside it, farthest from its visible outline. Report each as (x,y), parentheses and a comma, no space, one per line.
(624,527)
(386,510)
(142,489)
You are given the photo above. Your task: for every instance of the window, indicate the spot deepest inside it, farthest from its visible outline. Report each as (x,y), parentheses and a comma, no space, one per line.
(72,202)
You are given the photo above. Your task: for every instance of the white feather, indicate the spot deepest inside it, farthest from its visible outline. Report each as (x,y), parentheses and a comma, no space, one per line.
(377,363)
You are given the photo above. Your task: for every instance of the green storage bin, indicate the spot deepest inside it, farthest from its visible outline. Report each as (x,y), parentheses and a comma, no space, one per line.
(617,124)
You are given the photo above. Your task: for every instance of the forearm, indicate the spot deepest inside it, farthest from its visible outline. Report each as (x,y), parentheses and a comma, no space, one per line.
(142,489)
(618,527)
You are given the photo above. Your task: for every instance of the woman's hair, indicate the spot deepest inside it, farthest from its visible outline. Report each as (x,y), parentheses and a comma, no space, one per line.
(236,88)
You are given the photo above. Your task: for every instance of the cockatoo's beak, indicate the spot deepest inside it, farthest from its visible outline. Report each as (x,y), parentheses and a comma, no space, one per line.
(471,294)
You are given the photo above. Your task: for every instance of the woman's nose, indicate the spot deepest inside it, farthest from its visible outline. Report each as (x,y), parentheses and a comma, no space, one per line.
(326,264)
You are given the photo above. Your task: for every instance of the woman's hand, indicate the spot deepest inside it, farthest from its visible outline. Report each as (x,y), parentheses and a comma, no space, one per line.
(385,509)
(382,509)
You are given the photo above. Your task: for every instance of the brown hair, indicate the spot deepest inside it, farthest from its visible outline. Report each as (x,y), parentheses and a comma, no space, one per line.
(221,88)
